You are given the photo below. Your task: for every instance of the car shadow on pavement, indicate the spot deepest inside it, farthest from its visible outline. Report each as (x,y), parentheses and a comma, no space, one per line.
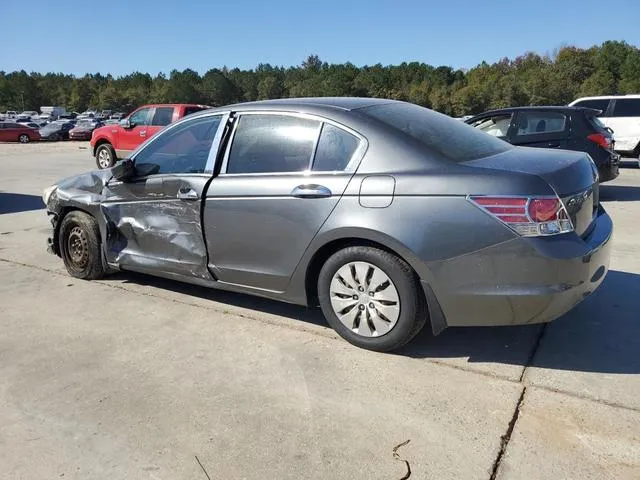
(619,193)
(602,334)
(18,202)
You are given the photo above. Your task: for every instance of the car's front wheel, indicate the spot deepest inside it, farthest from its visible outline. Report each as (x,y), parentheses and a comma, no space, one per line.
(371,298)
(105,156)
(24,138)
(79,243)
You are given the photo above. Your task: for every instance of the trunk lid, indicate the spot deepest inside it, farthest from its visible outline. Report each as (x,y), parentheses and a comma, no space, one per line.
(572,175)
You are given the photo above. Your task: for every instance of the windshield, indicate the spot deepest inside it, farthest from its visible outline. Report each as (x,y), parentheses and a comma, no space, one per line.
(452,138)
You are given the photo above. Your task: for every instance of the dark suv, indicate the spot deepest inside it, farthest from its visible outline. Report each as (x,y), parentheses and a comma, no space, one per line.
(568,128)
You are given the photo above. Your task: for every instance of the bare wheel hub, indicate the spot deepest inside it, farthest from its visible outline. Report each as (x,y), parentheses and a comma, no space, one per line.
(78,247)
(365,299)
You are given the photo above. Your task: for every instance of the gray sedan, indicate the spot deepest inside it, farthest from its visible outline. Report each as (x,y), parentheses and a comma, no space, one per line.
(386,214)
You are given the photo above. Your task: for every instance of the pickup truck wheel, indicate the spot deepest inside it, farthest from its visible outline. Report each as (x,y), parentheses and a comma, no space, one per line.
(105,156)
(24,138)
(79,244)
(371,298)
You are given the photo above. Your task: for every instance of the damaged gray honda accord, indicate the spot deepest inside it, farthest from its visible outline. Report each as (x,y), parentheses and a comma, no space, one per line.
(384,213)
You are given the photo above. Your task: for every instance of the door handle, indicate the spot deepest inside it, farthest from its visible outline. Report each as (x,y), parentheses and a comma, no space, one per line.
(188,194)
(553,145)
(143,133)
(311,191)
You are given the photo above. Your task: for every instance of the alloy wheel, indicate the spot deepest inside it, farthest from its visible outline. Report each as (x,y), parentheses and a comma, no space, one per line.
(23,138)
(104,159)
(364,299)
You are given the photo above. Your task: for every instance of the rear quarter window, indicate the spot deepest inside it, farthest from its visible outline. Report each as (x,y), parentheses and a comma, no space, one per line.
(453,139)
(627,107)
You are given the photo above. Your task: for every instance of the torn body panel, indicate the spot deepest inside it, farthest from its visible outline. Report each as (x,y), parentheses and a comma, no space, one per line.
(145,225)
(155,224)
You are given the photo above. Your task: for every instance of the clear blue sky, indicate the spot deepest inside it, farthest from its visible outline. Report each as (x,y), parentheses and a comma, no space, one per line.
(121,36)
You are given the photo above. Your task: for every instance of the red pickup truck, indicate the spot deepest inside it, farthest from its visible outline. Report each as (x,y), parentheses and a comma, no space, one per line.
(116,141)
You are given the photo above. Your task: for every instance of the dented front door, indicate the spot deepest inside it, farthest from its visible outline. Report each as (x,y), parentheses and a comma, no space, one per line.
(154,222)
(153,225)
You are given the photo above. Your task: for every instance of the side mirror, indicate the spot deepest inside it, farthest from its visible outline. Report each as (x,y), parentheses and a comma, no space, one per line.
(123,170)
(125,123)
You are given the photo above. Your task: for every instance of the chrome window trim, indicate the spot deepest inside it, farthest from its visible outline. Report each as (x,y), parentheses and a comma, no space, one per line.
(350,168)
(158,176)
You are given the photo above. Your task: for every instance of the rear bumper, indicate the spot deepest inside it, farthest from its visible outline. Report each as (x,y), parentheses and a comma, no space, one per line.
(523,281)
(610,169)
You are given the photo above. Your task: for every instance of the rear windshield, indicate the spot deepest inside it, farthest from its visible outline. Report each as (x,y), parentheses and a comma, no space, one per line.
(452,138)
(596,123)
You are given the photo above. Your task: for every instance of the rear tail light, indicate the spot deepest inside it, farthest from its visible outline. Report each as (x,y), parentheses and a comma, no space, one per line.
(527,216)
(602,140)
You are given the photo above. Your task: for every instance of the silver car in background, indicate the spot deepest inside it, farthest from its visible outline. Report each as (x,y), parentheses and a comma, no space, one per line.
(386,214)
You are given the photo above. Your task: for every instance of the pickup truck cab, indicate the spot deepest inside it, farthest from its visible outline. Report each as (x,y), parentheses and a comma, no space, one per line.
(113,142)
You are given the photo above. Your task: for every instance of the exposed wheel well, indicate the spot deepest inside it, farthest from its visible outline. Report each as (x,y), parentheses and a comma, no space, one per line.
(321,256)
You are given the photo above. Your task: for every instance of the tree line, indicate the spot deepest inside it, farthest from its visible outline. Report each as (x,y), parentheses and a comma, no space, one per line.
(530,79)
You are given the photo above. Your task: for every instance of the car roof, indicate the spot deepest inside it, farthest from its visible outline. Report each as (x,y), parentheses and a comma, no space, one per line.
(165,105)
(341,103)
(329,106)
(558,108)
(607,97)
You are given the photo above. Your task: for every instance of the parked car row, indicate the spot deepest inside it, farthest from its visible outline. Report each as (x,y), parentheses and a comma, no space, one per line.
(62,129)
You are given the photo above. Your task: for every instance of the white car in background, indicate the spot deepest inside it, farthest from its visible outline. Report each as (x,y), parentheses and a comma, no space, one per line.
(621,113)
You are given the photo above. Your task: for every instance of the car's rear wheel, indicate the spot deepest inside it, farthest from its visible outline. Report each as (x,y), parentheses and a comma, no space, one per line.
(371,298)
(56,137)
(24,138)
(105,156)
(79,244)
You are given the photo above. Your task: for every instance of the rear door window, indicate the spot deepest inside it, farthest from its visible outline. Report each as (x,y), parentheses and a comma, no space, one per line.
(601,104)
(162,116)
(540,123)
(495,125)
(626,107)
(272,144)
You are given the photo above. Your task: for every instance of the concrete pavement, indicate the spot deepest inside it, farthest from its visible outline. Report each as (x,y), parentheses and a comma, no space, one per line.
(133,377)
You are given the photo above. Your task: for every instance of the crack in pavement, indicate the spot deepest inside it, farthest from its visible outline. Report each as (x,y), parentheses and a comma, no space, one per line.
(534,350)
(202,467)
(504,440)
(396,456)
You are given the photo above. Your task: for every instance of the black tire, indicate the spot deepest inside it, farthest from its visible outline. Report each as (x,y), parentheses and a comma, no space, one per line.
(56,137)
(24,138)
(105,156)
(79,244)
(413,311)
